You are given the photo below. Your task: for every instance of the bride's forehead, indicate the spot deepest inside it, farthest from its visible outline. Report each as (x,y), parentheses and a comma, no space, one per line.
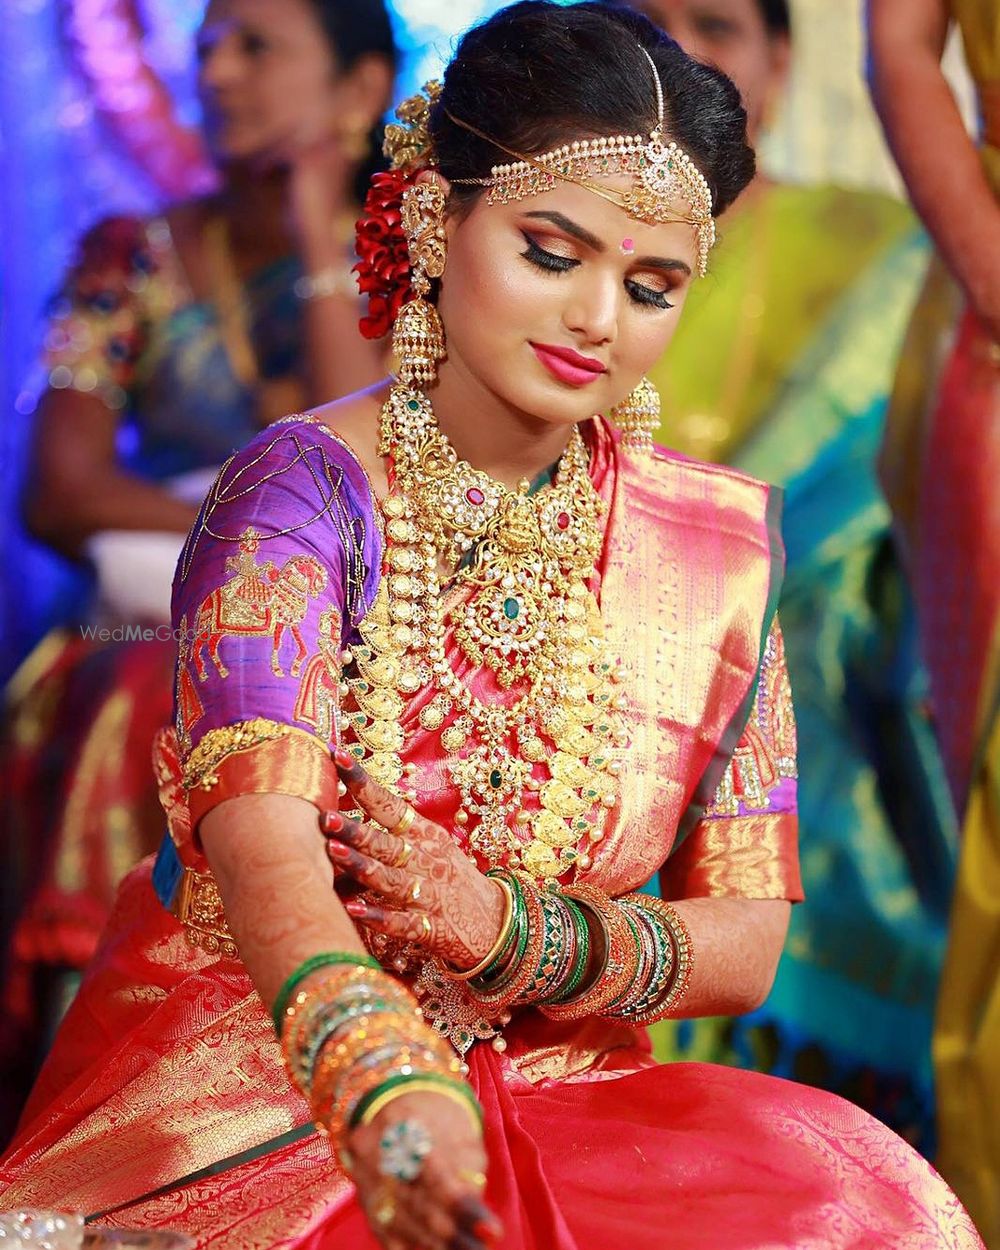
(607,222)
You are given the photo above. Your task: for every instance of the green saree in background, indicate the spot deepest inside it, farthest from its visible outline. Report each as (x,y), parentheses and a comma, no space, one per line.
(811,290)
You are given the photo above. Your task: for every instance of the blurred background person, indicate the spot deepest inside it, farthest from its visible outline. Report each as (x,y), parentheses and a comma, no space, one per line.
(805,309)
(941,469)
(173,340)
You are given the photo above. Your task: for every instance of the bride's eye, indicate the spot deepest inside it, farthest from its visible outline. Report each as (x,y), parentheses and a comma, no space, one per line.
(646,295)
(550,261)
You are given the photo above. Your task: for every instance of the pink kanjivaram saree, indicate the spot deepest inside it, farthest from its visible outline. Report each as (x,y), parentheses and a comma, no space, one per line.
(165,1103)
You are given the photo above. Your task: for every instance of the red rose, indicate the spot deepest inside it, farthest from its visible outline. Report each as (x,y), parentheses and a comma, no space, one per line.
(383,267)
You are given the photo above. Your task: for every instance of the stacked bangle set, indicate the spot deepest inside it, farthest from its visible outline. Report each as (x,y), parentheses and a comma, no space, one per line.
(354,1039)
(543,955)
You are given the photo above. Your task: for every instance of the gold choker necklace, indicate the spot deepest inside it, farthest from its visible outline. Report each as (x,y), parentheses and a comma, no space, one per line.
(535,765)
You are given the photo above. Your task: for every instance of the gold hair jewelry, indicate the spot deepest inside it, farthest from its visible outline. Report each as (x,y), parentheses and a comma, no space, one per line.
(638,417)
(409,144)
(417,334)
(662,174)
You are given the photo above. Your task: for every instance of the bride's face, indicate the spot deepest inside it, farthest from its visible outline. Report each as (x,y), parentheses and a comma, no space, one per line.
(558,304)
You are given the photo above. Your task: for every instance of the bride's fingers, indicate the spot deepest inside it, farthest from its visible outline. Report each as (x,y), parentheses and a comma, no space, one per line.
(372,840)
(407,926)
(397,885)
(391,811)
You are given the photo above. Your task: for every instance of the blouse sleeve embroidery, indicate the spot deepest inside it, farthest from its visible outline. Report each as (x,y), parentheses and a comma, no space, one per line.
(746,844)
(764,760)
(283,560)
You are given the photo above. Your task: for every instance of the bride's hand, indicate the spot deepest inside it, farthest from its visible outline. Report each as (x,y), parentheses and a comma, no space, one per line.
(442,1207)
(436,897)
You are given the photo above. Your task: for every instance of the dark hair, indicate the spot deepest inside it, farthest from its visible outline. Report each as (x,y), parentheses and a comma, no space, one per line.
(357,28)
(776,15)
(537,74)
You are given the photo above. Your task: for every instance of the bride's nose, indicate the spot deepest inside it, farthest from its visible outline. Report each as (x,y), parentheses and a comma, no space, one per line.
(593,307)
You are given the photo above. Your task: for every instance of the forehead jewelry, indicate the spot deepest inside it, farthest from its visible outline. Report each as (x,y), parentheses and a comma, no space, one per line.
(666,184)
(627,247)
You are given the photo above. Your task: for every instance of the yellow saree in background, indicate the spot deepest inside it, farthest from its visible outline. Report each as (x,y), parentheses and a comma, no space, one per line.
(941,469)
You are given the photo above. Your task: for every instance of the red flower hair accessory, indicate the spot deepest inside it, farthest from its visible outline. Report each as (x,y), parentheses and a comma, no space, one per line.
(384,266)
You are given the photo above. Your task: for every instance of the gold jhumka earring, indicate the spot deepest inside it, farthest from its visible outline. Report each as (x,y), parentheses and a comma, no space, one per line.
(418,335)
(638,417)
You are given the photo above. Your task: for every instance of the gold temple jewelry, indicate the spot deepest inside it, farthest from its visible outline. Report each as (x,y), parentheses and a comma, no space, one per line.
(638,417)
(662,174)
(529,615)
(417,333)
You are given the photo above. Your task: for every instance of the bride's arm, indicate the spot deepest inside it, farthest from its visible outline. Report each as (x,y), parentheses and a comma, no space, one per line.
(277,885)
(737,944)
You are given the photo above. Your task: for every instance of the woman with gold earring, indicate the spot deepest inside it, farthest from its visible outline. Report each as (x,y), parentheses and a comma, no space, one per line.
(559,669)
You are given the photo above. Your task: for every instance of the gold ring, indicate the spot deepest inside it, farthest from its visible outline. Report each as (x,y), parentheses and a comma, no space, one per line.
(425,925)
(405,822)
(404,855)
(384,1211)
(476,1179)
(415,891)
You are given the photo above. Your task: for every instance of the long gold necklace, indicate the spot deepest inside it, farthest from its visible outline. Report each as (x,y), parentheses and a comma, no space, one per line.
(535,775)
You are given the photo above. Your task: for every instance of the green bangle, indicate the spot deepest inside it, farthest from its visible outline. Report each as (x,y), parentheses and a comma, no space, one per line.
(324,960)
(432,1078)
(582,950)
(502,970)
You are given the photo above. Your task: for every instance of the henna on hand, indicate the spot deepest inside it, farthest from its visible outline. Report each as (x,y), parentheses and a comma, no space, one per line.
(465,909)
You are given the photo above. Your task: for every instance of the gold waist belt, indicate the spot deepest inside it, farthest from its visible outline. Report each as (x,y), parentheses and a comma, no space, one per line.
(197,904)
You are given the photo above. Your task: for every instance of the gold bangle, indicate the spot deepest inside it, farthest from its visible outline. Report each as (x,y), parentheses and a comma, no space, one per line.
(420,1087)
(498,945)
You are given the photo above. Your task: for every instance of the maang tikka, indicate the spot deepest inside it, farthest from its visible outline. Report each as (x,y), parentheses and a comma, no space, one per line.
(418,335)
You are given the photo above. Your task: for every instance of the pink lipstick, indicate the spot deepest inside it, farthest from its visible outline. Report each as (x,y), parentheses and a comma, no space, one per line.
(567,365)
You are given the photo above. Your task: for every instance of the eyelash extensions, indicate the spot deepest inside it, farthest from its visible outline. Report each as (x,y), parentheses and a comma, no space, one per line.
(552,263)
